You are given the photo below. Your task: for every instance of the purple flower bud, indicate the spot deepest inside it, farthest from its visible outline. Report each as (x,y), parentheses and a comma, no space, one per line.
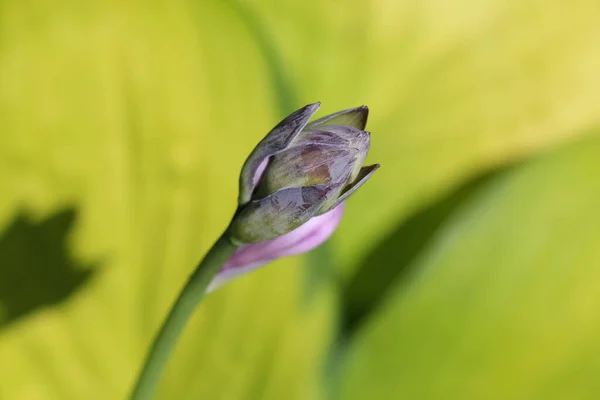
(301,170)
(302,239)
(293,184)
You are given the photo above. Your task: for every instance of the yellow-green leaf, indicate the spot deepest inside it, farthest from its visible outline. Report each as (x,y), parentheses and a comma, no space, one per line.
(134,118)
(503,303)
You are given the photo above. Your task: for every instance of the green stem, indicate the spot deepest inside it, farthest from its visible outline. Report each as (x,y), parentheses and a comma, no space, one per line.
(192,293)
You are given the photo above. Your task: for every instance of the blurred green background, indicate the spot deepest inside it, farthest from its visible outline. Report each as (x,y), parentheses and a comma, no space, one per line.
(468,267)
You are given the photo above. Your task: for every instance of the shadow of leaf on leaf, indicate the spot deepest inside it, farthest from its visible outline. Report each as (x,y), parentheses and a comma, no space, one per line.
(36,269)
(390,262)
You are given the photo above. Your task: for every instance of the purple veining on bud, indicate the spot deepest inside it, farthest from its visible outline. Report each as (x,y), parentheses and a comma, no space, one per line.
(293,184)
(302,239)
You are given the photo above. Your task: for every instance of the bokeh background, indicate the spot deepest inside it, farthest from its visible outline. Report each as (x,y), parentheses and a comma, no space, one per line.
(468,267)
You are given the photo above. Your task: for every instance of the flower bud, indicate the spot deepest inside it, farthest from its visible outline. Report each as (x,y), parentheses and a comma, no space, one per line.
(300,170)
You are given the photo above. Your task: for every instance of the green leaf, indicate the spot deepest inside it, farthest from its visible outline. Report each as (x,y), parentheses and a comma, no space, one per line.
(502,304)
(138,117)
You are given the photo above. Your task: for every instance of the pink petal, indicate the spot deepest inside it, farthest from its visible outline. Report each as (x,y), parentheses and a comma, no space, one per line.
(302,239)
(259,171)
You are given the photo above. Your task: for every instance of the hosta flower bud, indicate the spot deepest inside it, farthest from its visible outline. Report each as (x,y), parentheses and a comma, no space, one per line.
(301,170)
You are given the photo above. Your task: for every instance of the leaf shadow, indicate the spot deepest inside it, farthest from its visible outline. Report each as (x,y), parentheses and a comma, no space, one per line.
(391,262)
(36,268)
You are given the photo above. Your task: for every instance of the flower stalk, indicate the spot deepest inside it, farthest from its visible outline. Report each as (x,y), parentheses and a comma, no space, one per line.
(191,295)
